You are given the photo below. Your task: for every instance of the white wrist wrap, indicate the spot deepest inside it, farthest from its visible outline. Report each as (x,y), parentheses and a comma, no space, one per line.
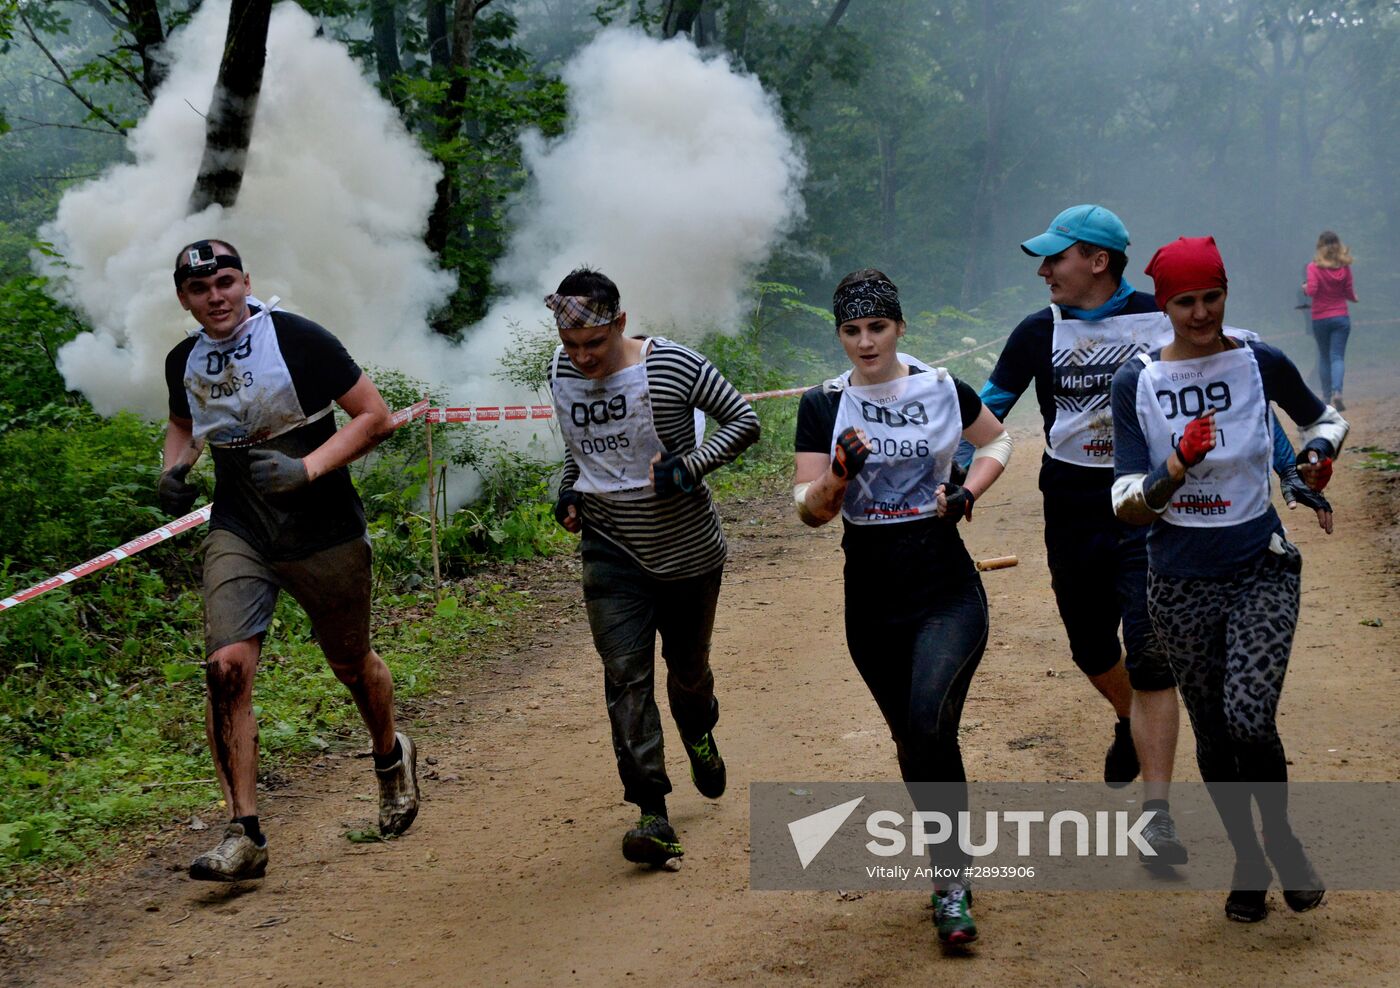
(998,449)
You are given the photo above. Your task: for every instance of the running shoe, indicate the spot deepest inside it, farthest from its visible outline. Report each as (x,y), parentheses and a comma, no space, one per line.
(1248,899)
(1337,402)
(1160,835)
(706,766)
(651,841)
(1120,765)
(398,790)
(1302,886)
(952,911)
(236,859)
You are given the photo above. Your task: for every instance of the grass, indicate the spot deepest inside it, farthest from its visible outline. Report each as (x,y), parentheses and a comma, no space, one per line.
(1375,458)
(106,755)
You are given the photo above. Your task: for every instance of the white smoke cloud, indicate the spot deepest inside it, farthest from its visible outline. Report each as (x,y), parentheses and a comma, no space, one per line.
(675,177)
(330,217)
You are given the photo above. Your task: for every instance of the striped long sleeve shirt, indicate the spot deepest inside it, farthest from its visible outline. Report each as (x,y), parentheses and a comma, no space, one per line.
(680,536)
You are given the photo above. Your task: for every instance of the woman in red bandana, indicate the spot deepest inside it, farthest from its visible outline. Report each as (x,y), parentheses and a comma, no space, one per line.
(1192,434)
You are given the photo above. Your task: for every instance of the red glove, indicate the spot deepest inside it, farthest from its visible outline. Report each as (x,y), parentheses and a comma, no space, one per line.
(1314,468)
(850,455)
(1197,439)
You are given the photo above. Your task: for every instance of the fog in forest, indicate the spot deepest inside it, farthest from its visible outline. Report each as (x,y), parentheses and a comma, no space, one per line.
(799,141)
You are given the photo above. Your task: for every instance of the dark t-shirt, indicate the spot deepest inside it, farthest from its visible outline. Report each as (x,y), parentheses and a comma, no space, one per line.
(1026,359)
(913,556)
(324,513)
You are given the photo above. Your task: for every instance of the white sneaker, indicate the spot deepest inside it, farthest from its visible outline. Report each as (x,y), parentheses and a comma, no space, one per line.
(398,790)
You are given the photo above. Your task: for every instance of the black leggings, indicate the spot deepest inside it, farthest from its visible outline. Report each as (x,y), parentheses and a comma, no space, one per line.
(919,667)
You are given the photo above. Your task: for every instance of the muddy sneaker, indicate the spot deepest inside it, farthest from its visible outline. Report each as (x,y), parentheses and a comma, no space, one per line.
(651,841)
(398,790)
(706,766)
(236,859)
(1120,765)
(1303,888)
(1160,835)
(1337,402)
(952,911)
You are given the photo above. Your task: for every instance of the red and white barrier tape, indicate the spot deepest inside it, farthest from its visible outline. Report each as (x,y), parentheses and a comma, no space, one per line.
(401,418)
(139,544)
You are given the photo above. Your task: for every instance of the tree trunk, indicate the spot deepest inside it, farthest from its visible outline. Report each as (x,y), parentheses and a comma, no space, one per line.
(680,17)
(736,26)
(439,51)
(229,126)
(386,43)
(996,43)
(453,113)
(147,35)
(887,137)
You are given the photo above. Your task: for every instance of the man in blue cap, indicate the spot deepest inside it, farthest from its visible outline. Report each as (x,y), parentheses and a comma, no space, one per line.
(1098,567)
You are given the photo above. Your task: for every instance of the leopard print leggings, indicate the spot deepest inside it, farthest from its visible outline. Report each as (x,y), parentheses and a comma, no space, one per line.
(1229,640)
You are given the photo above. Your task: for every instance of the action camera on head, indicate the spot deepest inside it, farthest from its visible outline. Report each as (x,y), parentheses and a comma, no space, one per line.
(200,261)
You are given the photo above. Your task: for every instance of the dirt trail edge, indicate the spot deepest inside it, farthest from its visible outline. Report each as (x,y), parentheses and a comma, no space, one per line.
(512,874)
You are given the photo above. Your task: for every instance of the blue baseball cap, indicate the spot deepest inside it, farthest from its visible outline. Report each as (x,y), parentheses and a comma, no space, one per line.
(1089,223)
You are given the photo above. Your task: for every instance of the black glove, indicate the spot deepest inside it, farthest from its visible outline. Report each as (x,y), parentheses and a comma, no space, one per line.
(672,476)
(176,497)
(276,473)
(851,454)
(1295,491)
(959,503)
(569,499)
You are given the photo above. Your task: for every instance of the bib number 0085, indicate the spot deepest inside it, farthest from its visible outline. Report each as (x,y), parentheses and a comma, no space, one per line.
(602,444)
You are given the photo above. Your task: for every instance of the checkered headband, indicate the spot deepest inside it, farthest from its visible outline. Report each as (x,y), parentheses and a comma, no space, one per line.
(580,311)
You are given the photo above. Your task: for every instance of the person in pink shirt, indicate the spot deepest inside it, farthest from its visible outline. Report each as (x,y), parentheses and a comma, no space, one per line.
(1330,287)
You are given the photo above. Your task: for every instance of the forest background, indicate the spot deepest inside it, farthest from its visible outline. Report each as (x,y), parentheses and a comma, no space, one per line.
(936,137)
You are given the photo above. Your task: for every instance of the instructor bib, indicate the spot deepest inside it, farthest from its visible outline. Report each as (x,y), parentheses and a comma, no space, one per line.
(1231,485)
(1084,354)
(914,425)
(610,430)
(240,389)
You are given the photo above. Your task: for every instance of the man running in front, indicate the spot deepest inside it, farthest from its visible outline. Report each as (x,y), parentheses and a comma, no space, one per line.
(256,385)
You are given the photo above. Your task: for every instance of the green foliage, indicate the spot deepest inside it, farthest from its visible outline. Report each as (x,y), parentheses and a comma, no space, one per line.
(98,749)
(32,328)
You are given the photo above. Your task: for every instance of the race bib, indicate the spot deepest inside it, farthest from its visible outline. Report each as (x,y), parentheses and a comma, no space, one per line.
(610,430)
(1231,485)
(239,388)
(913,424)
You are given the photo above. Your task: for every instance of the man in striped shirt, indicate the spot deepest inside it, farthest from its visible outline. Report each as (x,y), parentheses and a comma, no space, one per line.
(653,551)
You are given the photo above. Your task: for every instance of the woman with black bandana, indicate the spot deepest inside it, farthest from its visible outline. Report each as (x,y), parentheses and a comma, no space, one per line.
(876,446)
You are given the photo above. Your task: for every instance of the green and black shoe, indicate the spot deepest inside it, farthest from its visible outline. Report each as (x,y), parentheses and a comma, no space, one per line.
(651,841)
(706,766)
(952,911)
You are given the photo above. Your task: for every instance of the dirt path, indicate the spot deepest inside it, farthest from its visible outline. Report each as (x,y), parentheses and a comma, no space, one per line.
(512,874)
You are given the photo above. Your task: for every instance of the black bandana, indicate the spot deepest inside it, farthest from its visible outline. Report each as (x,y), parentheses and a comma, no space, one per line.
(867,299)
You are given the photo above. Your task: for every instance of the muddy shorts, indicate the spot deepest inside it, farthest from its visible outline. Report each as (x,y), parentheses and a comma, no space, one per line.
(332,586)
